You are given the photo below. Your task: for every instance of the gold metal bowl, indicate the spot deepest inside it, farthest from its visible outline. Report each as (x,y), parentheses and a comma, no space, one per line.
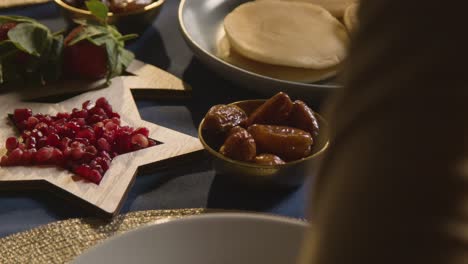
(290,174)
(129,22)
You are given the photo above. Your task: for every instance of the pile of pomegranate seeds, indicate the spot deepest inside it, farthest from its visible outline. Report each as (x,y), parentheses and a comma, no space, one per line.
(84,141)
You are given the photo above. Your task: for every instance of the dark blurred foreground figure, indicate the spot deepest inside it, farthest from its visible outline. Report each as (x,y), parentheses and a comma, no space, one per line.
(394,185)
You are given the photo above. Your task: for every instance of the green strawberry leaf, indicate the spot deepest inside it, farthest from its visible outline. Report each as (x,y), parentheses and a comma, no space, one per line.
(30,38)
(98,9)
(126,57)
(127,37)
(17,19)
(99,40)
(112,59)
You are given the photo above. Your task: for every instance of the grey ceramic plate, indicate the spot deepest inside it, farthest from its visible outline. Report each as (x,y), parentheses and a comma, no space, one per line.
(201,22)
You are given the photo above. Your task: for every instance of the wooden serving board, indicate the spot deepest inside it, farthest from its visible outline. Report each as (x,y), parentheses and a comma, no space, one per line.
(146,82)
(105,198)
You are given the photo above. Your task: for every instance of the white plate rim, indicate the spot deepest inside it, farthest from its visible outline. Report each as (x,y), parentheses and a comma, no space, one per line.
(212,216)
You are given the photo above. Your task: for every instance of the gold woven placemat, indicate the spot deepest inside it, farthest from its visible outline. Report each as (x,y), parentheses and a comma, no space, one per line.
(12,3)
(61,242)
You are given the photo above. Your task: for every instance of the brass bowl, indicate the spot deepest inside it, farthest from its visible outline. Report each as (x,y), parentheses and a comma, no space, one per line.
(290,174)
(128,22)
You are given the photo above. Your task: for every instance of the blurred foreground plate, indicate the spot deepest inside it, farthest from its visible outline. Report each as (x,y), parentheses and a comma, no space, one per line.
(228,238)
(201,23)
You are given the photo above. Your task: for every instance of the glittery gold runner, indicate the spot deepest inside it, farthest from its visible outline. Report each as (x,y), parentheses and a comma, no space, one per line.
(62,241)
(12,3)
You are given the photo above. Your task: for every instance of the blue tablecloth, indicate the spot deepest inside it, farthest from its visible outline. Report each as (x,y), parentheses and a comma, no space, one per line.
(190,186)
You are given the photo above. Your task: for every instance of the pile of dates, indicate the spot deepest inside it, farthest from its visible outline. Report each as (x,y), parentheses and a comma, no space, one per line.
(277,132)
(115,6)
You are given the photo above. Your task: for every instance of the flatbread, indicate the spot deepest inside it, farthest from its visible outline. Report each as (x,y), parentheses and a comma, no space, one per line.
(350,18)
(336,7)
(225,52)
(293,34)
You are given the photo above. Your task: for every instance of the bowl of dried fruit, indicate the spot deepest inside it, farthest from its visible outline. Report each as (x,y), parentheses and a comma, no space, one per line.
(129,16)
(274,142)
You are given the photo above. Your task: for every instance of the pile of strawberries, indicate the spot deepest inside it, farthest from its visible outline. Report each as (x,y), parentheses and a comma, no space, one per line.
(93,50)
(84,141)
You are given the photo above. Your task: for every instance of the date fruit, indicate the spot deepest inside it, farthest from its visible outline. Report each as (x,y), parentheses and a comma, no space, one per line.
(286,142)
(222,118)
(268,159)
(275,111)
(239,145)
(303,118)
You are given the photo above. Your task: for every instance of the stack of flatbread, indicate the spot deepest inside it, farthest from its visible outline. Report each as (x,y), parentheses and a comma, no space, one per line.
(293,40)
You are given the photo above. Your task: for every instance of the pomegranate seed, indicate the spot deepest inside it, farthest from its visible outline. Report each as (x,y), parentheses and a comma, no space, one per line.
(63,115)
(36,133)
(53,140)
(95,119)
(4,161)
(116,120)
(105,155)
(15,157)
(103,144)
(22,146)
(110,126)
(64,143)
(101,102)
(94,176)
(41,142)
(30,142)
(107,109)
(80,113)
(26,134)
(142,130)
(152,143)
(99,169)
(87,105)
(140,141)
(43,127)
(76,153)
(28,156)
(87,133)
(73,126)
(57,156)
(86,172)
(97,111)
(21,115)
(114,115)
(91,150)
(81,122)
(44,154)
(104,163)
(11,143)
(32,122)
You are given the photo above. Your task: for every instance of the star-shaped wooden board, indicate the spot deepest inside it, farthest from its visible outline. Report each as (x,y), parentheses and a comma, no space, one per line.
(106,198)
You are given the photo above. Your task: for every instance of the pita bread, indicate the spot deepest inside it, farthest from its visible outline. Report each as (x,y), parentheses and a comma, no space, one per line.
(293,34)
(350,18)
(226,53)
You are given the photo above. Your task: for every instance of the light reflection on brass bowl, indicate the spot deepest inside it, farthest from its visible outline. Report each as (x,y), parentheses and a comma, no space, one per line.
(128,22)
(288,175)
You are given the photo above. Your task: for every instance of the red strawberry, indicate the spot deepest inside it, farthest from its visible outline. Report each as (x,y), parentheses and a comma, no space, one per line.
(4,28)
(84,59)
